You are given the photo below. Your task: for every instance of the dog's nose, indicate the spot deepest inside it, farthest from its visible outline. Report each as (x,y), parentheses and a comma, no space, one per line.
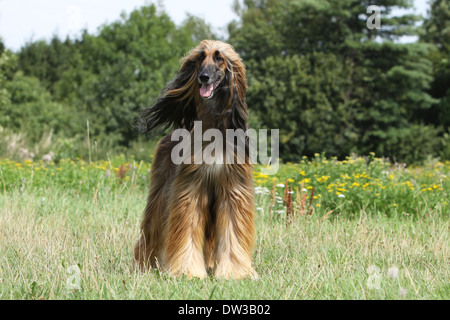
(204,77)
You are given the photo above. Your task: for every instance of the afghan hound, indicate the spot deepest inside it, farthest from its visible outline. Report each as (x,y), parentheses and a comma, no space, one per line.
(199,217)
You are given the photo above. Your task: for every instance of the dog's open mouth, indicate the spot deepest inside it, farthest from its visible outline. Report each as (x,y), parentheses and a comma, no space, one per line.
(207,90)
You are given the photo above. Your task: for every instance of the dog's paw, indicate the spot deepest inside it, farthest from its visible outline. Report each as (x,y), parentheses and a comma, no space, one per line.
(201,274)
(189,273)
(236,273)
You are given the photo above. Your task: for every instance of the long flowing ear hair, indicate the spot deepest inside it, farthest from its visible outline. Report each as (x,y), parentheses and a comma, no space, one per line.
(176,107)
(232,96)
(235,89)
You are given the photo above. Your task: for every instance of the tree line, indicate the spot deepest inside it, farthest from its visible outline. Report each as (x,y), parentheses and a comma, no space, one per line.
(315,71)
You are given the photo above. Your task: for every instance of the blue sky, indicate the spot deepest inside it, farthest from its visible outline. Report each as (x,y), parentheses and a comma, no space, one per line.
(24,20)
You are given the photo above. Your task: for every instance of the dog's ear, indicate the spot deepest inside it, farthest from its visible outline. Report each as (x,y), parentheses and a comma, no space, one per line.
(238,87)
(176,107)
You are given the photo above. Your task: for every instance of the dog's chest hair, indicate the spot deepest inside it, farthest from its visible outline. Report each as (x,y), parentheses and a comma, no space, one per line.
(212,171)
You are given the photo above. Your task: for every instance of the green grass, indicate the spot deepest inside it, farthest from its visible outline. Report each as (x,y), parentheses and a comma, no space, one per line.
(57,216)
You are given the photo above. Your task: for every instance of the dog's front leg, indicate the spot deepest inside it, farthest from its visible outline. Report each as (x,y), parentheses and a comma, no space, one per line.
(185,230)
(234,230)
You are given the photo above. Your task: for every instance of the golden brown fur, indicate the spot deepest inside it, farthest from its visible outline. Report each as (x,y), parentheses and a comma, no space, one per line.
(199,217)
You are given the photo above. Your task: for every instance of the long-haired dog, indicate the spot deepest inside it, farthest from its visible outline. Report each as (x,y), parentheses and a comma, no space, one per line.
(199,217)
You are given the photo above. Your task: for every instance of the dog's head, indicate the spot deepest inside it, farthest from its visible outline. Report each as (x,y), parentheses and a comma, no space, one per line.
(211,71)
(212,67)
(217,66)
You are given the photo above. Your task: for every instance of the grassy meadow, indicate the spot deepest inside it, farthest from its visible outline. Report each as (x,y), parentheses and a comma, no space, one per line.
(326,229)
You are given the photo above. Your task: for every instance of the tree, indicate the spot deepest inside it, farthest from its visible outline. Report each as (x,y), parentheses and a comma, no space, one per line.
(7,62)
(393,82)
(108,78)
(25,105)
(270,27)
(305,98)
(436,30)
(326,81)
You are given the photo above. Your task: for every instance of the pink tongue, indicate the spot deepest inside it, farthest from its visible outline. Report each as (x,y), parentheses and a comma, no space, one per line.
(206,90)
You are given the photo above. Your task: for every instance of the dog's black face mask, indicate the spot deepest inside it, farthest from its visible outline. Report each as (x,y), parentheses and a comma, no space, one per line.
(211,73)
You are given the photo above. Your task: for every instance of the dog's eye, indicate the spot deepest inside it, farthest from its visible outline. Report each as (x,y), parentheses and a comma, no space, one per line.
(217,56)
(202,56)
